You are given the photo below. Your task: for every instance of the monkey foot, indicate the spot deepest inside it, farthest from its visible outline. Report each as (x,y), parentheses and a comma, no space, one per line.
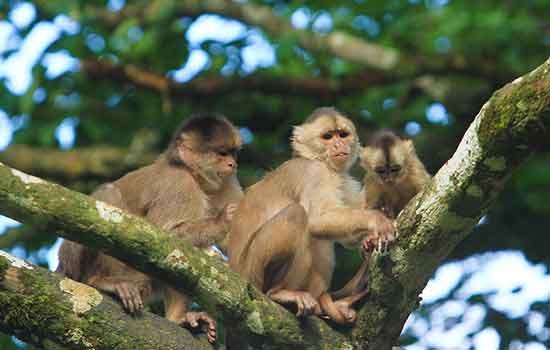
(130,296)
(339,311)
(194,320)
(305,302)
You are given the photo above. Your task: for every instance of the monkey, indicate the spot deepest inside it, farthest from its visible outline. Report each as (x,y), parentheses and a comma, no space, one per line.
(282,234)
(190,191)
(394,175)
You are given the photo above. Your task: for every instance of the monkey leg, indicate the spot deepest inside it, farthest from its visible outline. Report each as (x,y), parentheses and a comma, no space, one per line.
(278,259)
(175,305)
(340,310)
(131,291)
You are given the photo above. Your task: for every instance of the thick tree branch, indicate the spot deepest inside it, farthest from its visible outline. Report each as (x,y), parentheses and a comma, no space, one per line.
(133,240)
(513,124)
(40,307)
(211,86)
(103,162)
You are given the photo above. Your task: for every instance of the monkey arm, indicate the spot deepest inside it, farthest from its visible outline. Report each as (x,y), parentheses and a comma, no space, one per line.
(350,226)
(202,233)
(339,224)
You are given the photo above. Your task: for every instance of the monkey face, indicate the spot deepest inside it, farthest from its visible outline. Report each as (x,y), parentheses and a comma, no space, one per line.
(388,165)
(330,138)
(337,147)
(212,166)
(225,161)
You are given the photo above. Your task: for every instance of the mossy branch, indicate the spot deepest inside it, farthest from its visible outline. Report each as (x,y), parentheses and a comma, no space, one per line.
(131,239)
(513,124)
(41,307)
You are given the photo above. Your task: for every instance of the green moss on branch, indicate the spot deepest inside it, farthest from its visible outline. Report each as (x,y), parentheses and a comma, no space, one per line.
(39,307)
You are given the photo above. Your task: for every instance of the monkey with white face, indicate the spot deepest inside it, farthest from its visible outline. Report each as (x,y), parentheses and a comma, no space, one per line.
(283,232)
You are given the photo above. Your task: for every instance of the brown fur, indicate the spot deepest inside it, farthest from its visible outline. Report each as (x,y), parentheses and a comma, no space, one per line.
(171,194)
(385,148)
(282,234)
(391,197)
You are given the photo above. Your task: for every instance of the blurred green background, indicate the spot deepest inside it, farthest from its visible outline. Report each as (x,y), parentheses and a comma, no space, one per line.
(92,89)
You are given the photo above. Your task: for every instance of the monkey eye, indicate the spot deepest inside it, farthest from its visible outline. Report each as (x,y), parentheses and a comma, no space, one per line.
(380,170)
(343,134)
(223,153)
(327,136)
(395,168)
(234,152)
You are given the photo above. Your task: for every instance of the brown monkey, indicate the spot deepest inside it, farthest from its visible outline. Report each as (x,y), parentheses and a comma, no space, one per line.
(394,175)
(191,191)
(283,231)
(394,172)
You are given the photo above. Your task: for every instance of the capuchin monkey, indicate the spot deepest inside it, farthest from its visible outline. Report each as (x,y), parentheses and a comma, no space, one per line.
(284,229)
(394,175)
(394,172)
(191,192)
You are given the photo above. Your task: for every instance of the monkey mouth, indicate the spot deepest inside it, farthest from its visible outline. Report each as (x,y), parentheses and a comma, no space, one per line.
(341,155)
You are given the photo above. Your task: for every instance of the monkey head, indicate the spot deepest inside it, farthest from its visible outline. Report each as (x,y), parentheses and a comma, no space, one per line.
(386,157)
(327,135)
(207,144)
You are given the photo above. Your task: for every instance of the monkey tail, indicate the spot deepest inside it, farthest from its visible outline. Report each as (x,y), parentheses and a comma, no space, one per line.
(351,293)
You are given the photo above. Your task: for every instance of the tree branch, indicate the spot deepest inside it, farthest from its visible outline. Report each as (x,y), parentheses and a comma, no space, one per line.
(211,86)
(40,307)
(381,60)
(131,239)
(102,162)
(512,125)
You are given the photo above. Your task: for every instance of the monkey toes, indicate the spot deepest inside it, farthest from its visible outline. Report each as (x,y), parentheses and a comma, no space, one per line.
(194,320)
(130,296)
(305,302)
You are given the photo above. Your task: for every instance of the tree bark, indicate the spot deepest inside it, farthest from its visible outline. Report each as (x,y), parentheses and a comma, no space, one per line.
(40,307)
(513,124)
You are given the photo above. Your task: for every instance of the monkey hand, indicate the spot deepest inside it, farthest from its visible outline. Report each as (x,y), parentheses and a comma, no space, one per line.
(339,311)
(305,303)
(194,320)
(368,246)
(130,296)
(229,211)
(381,231)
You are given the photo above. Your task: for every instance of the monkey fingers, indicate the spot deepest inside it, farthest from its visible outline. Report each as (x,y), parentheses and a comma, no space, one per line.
(130,296)
(305,303)
(230,210)
(340,311)
(368,245)
(207,324)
